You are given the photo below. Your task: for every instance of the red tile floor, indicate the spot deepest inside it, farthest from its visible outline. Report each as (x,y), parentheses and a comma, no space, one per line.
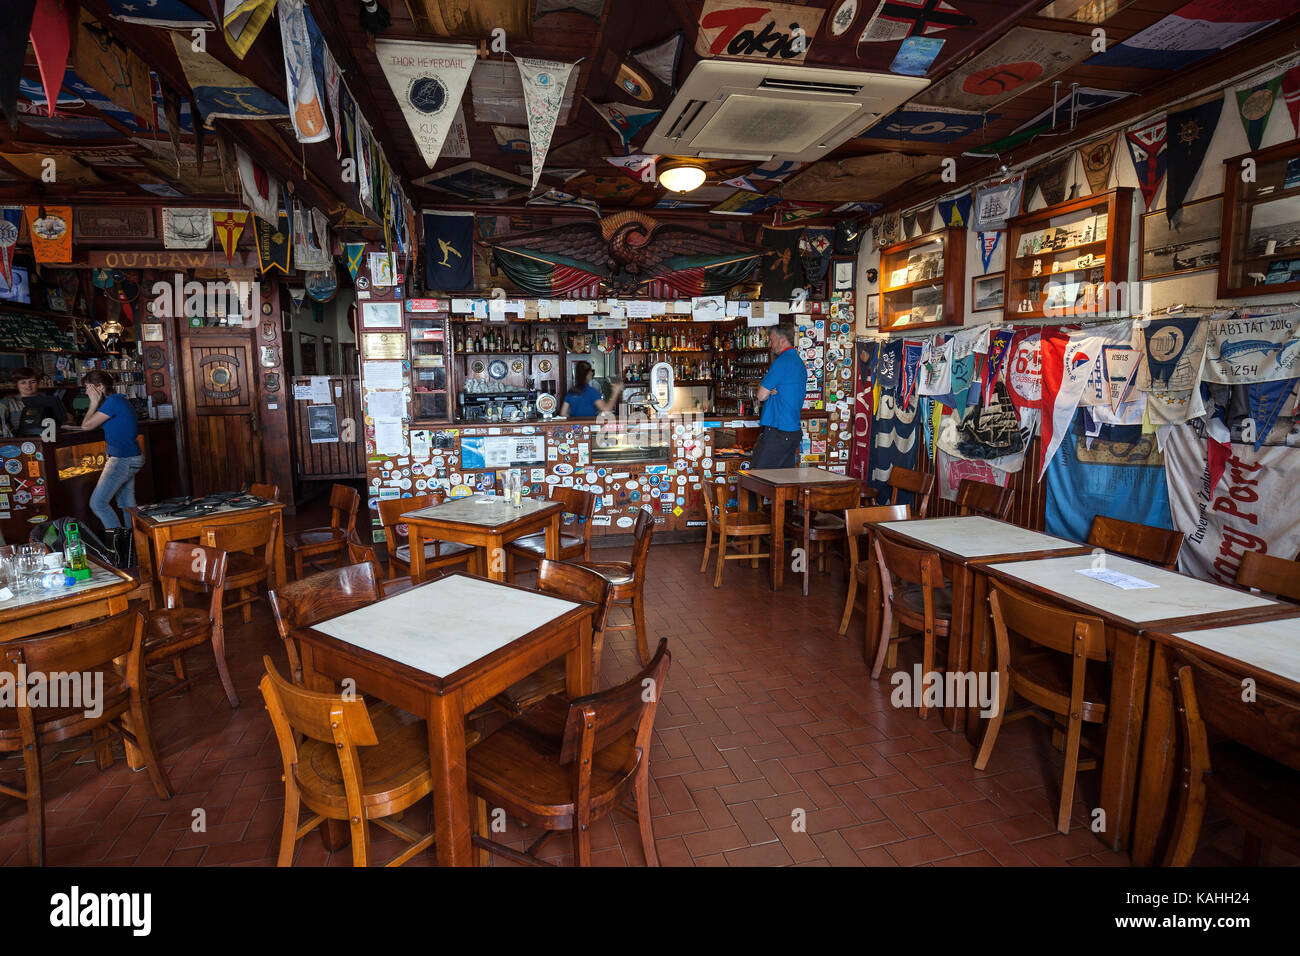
(768,717)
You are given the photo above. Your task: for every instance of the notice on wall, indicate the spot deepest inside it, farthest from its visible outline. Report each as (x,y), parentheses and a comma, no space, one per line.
(640,309)
(320,390)
(386,404)
(388,436)
(323,424)
(381,374)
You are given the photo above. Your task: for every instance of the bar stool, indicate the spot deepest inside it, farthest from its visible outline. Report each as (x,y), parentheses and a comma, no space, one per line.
(857,522)
(627,584)
(739,523)
(579,506)
(314,543)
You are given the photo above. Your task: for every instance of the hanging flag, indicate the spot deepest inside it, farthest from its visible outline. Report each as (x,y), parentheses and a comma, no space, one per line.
(10,227)
(274,243)
(988,245)
(310,239)
(544,84)
(448,250)
(915,57)
(242,21)
(1097,157)
(1119,368)
(186,228)
(297,295)
(1025,370)
(1244,349)
(259,192)
(909,225)
(51,40)
(229,226)
(50,229)
(220,92)
(333,81)
(355,253)
(1051,179)
(1267,400)
(816,246)
(1190,133)
(782,269)
(929,125)
(741,182)
(897,19)
(1255,104)
(1291,94)
(776,169)
(640,166)
(13,50)
(662,58)
(1146,145)
(996,203)
(1069,360)
(364,185)
(456,145)
(102,61)
(168,14)
(627,121)
(999,349)
(909,375)
(955,213)
(428,80)
(1193,32)
(305,109)
(1174,350)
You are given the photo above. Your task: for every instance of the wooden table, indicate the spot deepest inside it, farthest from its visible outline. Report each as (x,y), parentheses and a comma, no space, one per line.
(439,651)
(34,612)
(153,532)
(487,522)
(780,485)
(962,543)
(1176,603)
(1268,652)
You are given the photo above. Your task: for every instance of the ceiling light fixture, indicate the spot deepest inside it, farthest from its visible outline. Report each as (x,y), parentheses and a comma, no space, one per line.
(681,177)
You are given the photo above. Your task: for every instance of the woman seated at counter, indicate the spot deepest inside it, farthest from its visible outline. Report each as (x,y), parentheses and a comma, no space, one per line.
(583,400)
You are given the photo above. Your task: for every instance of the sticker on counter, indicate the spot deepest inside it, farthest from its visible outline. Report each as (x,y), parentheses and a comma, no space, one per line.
(564,468)
(537,474)
(28,448)
(655,469)
(600,521)
(462,491)
(631,486)
(552,479)
(626,522)
(609,501)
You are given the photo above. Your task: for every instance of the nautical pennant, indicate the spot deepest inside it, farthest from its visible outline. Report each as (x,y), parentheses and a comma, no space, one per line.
(229,226)
(999,349)
(741,182)
(305,110)
(51,41)
(220,92)
(274,243)
(10,226)
(640,166)
(912,351)
(332,83)
(955,213)
(242,21)
(429,81)
(1098,157)
(544,85)
(1051,178)
(988,245)
(1266,402)
(1146,145)
(102,61)
(50,230)
(448,250)
(1191,131)
(1291,94)
(662,58)
(258,190)
(1255,104)
(186,228)
(354,252)
(896,19)
(625,120)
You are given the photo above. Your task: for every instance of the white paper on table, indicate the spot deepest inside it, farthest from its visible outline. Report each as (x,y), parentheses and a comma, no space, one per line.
(1116,578)
(381,374)
(385,404)
(320,390)
(388,436)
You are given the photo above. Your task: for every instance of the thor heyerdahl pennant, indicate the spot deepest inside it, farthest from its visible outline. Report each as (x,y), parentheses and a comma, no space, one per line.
(305,109)
(1146,145)
(428,80)
(242,21)
(101,60)
(1190,132)
(10,226)
(1098,157)
(229,225)
(273,243)
(220,92)
(448,250)
(1255,104)
(544,85)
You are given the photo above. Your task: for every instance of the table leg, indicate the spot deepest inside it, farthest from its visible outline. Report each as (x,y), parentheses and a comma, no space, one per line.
(446,722)
(1131,664)
(577,664)
(495,555)
(277,566)
(778,538)
(553,537)
(954,717)
(980,661)
(159,536)
(1156,775)
(415,538)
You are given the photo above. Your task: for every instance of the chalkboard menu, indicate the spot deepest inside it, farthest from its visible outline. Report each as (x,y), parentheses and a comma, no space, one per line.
(34,332)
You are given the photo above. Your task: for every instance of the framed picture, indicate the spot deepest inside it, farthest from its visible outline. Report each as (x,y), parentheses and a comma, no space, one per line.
(1193,246)
(987,292)
(307,349)
(381,315)
(842,273)
(873,311)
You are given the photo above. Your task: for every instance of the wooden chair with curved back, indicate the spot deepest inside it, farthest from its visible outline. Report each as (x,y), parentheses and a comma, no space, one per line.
(319,597)
(857,523)
(566,764)
(819,522)
(1043,655)
(575,583)
(109,653)
(1279,576)
(915,595)
(1239,758)
(311,545)
(344,763)
(246,569)
(1158,546)
(575,542)
(726,523)
(265,490)
(627,584)
(981,498)
(173,629)
(438,555)
(359,553)
(920,485)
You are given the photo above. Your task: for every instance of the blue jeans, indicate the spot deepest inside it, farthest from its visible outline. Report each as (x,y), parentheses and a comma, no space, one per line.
(116,483)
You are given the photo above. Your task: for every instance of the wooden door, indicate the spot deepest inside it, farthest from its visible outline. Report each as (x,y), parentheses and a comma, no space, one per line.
(221,417)
(344,458)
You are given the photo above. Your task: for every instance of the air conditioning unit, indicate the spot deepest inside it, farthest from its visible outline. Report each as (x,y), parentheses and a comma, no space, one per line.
(737,109)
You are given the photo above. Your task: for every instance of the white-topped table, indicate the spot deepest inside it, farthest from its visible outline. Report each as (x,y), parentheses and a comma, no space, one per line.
(102,594)
(440,650)
(1267,652)
(486,522)
(962,542)
(1176,603)
(782,485)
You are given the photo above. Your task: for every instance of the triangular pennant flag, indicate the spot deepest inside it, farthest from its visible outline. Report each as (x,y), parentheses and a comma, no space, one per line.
(988,245)
(220,92)
(1049,178)
(259,192)
(355,253)
(1291,95)
(274,243)
(310,240)
(640,166)
(306,111)
(51,40)
(627,121)
(955,213)
(899,19)
(364,168)
(741,182)
(544,84)
(428,80)
(1119,366)
(298,295)
(1146,145)
(1255,104)
(662,58)
(909,225)
(456,145)
(101,60)
(229,225)
(10,227)
(1098,157)
(50,230)
(1190,133)
(242,21)
(333,82)
(1266,402)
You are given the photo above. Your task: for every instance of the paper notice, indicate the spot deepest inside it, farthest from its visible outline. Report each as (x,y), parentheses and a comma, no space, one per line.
(388,436)
(381,374)
(320,390)
(385,404)
(1116,578)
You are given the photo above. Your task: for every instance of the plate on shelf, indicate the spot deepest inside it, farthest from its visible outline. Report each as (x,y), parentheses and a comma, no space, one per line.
(517,365)
(546,403)
(498,369)
(544,365)
(477,366)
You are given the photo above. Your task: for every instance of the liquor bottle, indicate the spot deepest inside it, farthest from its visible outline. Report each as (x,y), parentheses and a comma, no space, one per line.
(478,343)
(514,342)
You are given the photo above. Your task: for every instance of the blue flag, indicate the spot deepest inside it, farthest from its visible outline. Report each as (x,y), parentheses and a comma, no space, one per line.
(448,251)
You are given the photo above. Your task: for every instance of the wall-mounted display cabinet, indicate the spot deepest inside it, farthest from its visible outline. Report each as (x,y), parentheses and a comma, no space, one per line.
(1261,223)
(923,281)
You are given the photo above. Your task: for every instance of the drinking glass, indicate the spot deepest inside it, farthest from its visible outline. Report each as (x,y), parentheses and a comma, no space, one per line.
(31,562)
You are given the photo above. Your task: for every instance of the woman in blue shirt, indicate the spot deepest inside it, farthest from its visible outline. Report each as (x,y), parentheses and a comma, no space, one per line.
(117,481)
(583,399)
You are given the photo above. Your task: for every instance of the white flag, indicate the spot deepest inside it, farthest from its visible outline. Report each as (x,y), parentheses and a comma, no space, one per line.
(332,82)
(544,85)
(259,189)
(300,79)
(186,228)
(1082,355)
(428,80)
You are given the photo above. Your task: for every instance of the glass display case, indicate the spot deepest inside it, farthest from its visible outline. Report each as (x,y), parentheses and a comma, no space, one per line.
(1261,224)
(430,368)
(923,280)
(630,443)
(73,461)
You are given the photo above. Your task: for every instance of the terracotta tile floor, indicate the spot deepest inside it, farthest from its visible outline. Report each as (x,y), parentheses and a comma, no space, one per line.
(773,747)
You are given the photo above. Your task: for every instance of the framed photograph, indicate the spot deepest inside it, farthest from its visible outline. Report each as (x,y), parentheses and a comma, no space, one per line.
(987,292)
(873,311)
(307,349)
(1193,246)
(842,273)
(381,315)
(323,424)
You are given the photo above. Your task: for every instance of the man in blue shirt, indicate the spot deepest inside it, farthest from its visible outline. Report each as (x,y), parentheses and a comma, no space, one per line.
(782,394)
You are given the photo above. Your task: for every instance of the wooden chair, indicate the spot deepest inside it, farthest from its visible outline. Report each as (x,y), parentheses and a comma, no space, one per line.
(857,522)
(817,522)
(108,650)
(314,544)
(914,592)
(1048,666)
(574,583)
(579,507)
(173,629)
(343,764)
(566,764)
(740,522)
(919,484)
(981,498)
(1242,759)
(268,491)
(1278,576)
(319,597)
(627,583)
(245,568)
(438,555)
(1143,542)
(359,553)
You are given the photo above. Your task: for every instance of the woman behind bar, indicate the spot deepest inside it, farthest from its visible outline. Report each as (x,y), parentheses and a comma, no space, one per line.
(25,414)
(583,399)
(117,480)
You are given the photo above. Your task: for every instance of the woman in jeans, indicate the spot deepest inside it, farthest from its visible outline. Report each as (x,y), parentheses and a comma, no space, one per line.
(117,481)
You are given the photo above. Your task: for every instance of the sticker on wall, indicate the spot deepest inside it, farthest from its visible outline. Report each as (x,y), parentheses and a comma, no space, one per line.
(626,522)
(461,491)
(564,468)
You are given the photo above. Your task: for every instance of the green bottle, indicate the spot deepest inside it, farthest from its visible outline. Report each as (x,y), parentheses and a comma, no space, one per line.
(74,551)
